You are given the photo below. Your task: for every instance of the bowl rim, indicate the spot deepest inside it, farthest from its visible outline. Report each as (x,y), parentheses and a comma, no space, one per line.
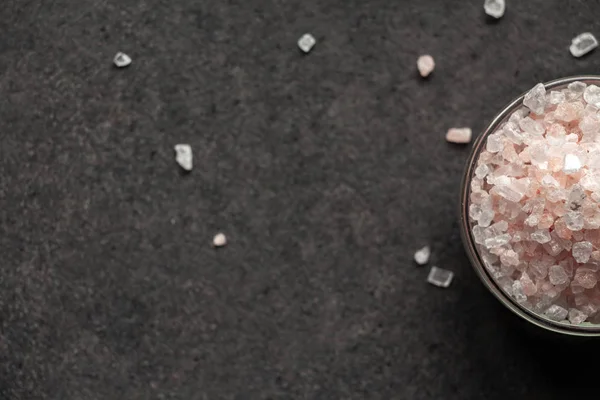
(465,231)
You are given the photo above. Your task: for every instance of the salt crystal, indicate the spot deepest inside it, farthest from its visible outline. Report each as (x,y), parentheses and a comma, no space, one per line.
(572,164)
(440,277)
(479,234)
(121,60)
(422,255)
(576,317)
(583,44)
(482,171)
(517,292)
(556,313)
(531,126)
(306,42)
(585,277)
(459,135)
(576,197)
(557,275)
(183,156)
(535,99)
(541,236)
(494,8)
(426,65)
(527,285)
(514,191)
(582,251)
(495,143)
(219,240)
(550,181)
(556,97)
(497,241)
(592,95)
(509,257)
(574,220)
(577,87)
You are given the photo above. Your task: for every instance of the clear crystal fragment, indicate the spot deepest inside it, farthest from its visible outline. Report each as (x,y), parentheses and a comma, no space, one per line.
(440,277)
(572,164)
(426,65)
(592,95)
(582,252)
(422,255)
(494,8)
(183,156)
(556,313)
(121,60)
(576,317)
(306,42)
(535,99)
(556,97)
(583,44)
(558,275)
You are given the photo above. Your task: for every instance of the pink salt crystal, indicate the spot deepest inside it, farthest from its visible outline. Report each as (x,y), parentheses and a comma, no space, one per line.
(585,277)
(582,251)
(541,236)
(546,221)
(495,143)
(556,313)
(557,275)
(577,317)
(568,111)
(459,135)
(574,220)
(425,65)
(509,257)
(531,126)
(527,285)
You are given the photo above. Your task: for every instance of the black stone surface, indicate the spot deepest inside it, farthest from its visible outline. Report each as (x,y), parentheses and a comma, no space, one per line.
(326,171)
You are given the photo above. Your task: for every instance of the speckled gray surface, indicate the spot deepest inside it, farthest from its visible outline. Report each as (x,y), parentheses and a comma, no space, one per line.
(326,171)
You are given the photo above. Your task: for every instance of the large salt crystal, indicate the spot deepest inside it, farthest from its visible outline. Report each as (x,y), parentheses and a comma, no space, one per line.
(440,277)
(583,44)
(482,171)
(541,236)
(535,99)
(586,277)
(531,126)
(517,292)
(494,8)
(184,156)
(574,220)
(576,197)
(582,251)
(556,313)
(306,42)
(497,241)
(425,65)
(572,164)
(495,143)
(592,95)
(514,191)
(568,112)
(422,255)
(558,275)
(527,285)
(556,97)
(510,258)
(550,181)
(576,317)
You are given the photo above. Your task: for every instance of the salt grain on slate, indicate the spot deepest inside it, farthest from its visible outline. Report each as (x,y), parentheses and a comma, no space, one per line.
(583,44)
(121,60)
(183,156)
(440,277)
(422,255)
(306,42)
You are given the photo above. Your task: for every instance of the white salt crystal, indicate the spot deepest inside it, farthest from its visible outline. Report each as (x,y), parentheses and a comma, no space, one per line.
(219,240)
(557,275)
(482,170)
(531,126)
(494,8)
(592,95)
(585,277)
(425,65)
(495,143)
(121,60)
(517,292)
(440,277)
(577,317)
(574,220)
(550,181)
(459,135)
(577,87)
(306,42)
(183,156)
(422,255)
(535,99)
(556,313)
(582,251)
(583,44)
(572,164)
(497,241)
(541,236)
(556,97)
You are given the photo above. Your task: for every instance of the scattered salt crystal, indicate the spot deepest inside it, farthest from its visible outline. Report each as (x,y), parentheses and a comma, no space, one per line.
(306,42)
(576,317)
(494,8)
(572,164)
(121,60)
(556,313)
(219,240)
(183,156)
(497,241)
(440,277)
(582,251)
(592,95)
(459,135)
(422,255)
(425,65)
(557,275)
(583,44)
(535,99)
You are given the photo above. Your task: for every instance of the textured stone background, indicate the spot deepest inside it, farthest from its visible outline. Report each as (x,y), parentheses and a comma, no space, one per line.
(326,172)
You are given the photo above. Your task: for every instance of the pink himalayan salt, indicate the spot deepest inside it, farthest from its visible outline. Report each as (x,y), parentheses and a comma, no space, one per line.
(459,135)
(425,65)
(538,188)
